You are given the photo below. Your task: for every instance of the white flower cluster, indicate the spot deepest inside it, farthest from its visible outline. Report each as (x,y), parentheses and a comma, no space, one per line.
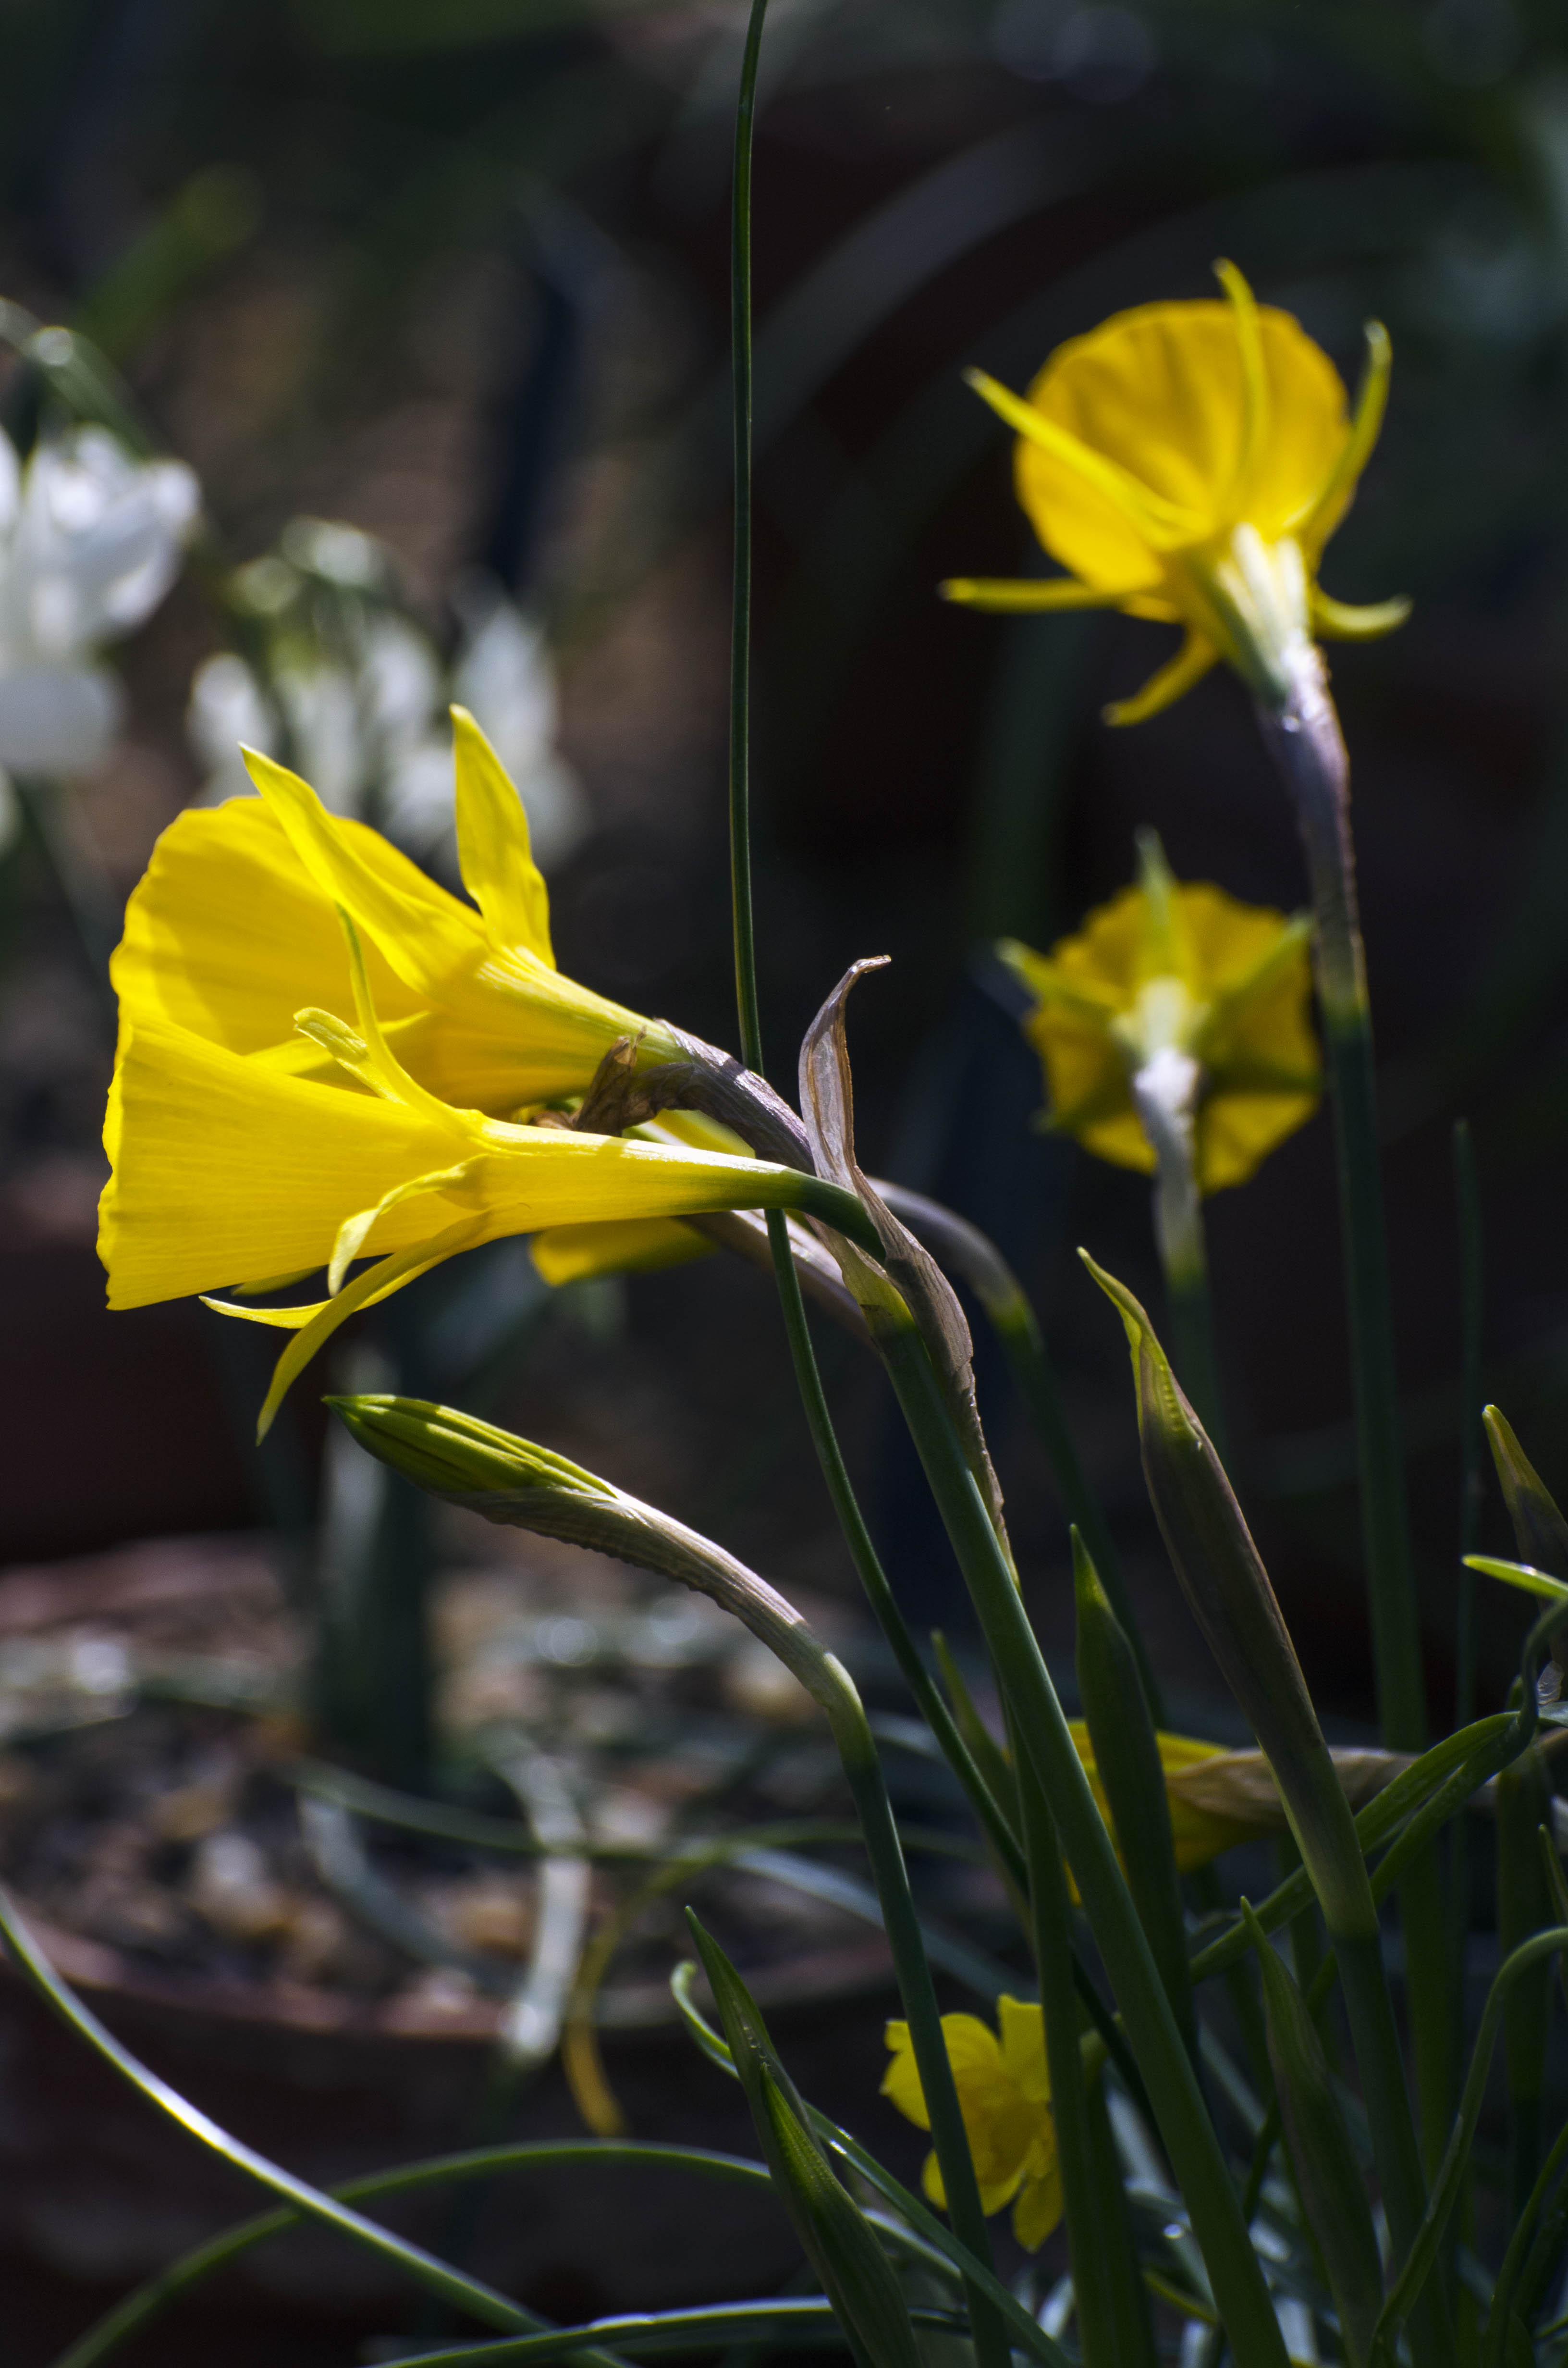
(90,540)
(359,709)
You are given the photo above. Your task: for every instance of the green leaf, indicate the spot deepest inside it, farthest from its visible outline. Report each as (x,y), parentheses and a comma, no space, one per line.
(984,1748)
(1127,1755)
(1328,2177)
(1518,1574)
(839,2240)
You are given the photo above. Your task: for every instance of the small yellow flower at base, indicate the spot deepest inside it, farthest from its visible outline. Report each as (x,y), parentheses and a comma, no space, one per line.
(1184,971)
(1003,2089)
(1187,462)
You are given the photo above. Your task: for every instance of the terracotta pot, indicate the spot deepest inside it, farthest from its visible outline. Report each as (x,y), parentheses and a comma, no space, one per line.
(102,2189)
(98,2190)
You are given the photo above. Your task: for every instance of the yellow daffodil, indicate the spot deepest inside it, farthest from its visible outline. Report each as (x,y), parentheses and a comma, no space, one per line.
(1005,2095)
(1206,1817)
(234,928)
(230,1171)
(1176,1008)
(577,1253)
(1187,462)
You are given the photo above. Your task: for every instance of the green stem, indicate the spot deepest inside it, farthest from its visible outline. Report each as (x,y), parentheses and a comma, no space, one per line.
(1522,2247)
(790,2322)
(858,1752)
(1239,2287)
(1472,1457)
(873,1579)
(481,2302)
(1304,737)
(1050,1915)
(975,1258)
(740,620)
(151,2300)
(1192,1329)
(1473,1453)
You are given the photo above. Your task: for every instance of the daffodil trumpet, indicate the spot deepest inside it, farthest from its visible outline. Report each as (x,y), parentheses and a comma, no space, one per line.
(256,1132)
(229,1171)
(1187,462)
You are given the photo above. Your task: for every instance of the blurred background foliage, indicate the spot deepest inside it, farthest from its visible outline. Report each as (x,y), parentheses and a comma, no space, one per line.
(454,272)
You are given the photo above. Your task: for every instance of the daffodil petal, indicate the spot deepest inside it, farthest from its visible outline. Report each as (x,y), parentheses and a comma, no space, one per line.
(1017,595)
(1160,393)
(1341,621)
(1148,510)
(1038,2208)
(1255,379)
(223,1167)
(228,934)
(422,934)
(376,1283)
(1022,2028)
(1172,682)
(901,2082)
(1329,506)
(494,853)
(231,931)
(452,1183)
(635,1246)
(293,1319)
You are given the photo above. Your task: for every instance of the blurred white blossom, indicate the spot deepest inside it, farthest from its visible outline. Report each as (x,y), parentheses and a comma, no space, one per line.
(356,698)
(90,540)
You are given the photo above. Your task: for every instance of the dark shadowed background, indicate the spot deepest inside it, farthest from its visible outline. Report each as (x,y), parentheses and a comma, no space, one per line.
(456,273)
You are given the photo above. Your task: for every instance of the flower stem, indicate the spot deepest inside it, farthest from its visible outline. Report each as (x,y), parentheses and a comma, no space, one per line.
(1304,737)
(740,621)
(858,1753)
(975,1258)
(1302,732)
(1093,2254)
(1240,2291)
(1164,1093)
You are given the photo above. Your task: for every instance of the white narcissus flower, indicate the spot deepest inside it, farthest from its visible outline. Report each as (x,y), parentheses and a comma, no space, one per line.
(374,723)
(505,678)
(90,540)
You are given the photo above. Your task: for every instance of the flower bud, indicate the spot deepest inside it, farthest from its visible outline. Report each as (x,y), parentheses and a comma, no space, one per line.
(1228,1591)
(520,1485)
(1541,1531)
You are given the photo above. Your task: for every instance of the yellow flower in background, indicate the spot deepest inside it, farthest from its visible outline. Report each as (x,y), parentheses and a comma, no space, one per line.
(1227,1812)
(1176,1000)
(229,1170)
(1003,2089)
(1187,462)
(235,928)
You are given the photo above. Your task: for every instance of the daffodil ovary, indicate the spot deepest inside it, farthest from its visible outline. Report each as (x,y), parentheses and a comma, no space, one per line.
(1187,462)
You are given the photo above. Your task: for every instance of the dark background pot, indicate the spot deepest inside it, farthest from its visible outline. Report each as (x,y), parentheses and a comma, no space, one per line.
(98,2190)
